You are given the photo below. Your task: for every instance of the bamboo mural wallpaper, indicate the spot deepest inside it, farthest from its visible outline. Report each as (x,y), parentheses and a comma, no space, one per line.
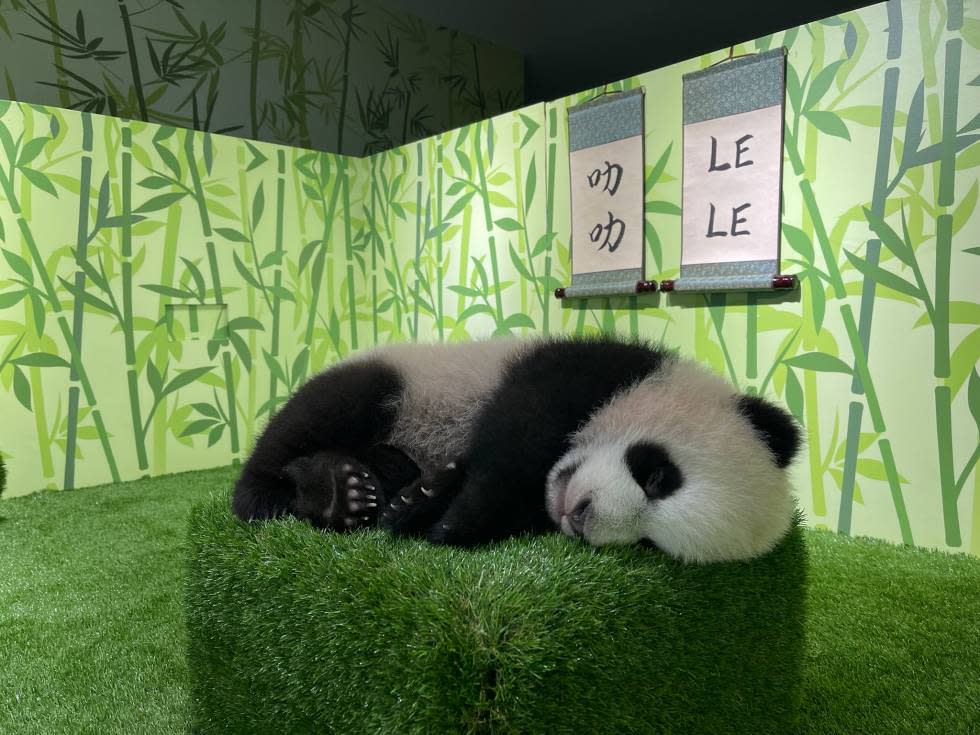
(164,290)
(347,76)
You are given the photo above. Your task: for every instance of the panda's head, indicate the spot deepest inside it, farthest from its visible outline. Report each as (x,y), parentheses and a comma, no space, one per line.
(682,461)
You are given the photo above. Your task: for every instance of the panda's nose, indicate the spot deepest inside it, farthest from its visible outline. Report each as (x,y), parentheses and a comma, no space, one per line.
(579,515)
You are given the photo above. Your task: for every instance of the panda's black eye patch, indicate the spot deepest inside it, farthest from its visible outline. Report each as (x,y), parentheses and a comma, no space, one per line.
(653,470)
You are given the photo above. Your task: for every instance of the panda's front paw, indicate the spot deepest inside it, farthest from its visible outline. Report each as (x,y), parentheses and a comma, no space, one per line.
(358,504)
(413,509)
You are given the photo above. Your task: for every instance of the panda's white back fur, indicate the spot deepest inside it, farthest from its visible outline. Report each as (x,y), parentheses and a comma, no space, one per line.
(445,386)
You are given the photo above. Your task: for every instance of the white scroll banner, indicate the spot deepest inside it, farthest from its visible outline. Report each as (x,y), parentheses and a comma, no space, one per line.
(733,153)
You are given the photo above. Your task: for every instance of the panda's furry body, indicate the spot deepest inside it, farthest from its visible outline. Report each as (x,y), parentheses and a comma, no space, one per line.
(610,440)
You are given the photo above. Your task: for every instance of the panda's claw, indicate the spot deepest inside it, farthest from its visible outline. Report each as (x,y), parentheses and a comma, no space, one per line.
(426,492)
(406,500)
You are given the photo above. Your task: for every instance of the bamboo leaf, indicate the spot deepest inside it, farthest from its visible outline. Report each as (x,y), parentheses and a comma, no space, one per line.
(301,364)
(498,179)
(543,243)
(515,321)
(508,223)
(185,378)
(155,182)
(530,184)
(659,207)
(821,83)
(273,258)
(889,238)
(206,409)
(499,200)
(868,115)
(40,360)
(657,170)
(245,272)
(31,150)
(274,367)
(245,322)
(459,205)
(281,292)
(214,435)
(39,180)
(518,264)
(197,276)
(307,253)
(197,427)
(241,349)
(231,234)
(828,122)
(482,273)
(798,240)
(964,210)
(19,266)
(216,207)
(455,188)
(161,201)
(794,396)
(258,205)
(474,309)
(258,158)
(874,469)
(464,290)
(973,396)
(818,361)
(22,388)
(154,379)
(960,312)
(531,127)
(963,361)
(177,293)
(883,277)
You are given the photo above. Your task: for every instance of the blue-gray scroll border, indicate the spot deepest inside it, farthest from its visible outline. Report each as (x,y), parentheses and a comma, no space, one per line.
(607,118)
(745,84)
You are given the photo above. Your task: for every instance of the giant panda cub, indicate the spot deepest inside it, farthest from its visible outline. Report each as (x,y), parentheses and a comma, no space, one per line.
(609,440)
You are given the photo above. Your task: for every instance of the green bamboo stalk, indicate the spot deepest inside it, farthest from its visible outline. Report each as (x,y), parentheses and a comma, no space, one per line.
(464,256)
(818,492)
(440,315)
(751,339)
(944,250)
(277,274)
(522,239)
(418,240)
(488,219)
(315,278)
(129,336)
(251,258)
(872,255)
(44,439)
(351,288)
(81,255)
(375,235)
(343,92)
(134,64)
(168,266)
(215,282)
(550,205)
(52,297)
(253,71)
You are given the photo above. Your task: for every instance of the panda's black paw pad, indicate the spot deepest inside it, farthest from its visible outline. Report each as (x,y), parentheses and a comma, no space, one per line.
(413,508)
(357,497)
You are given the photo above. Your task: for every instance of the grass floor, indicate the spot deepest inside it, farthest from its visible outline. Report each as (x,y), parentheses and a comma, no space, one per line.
(91,632)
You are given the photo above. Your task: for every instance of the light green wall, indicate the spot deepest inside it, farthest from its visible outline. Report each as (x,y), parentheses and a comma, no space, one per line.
(466,234)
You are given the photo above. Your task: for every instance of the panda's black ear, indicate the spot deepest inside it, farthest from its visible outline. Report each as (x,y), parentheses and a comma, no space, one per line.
(774,426)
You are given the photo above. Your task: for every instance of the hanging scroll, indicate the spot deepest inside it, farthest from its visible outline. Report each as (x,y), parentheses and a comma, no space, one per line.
(605,144)
(733,155)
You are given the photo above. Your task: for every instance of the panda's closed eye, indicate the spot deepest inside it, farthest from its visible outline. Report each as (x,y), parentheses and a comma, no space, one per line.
(653,470)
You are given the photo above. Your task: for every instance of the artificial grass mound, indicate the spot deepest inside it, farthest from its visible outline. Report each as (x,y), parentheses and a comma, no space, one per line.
(295,630)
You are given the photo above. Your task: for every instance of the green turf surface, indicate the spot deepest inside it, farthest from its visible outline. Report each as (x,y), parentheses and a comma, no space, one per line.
(91,631)
(295,630)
